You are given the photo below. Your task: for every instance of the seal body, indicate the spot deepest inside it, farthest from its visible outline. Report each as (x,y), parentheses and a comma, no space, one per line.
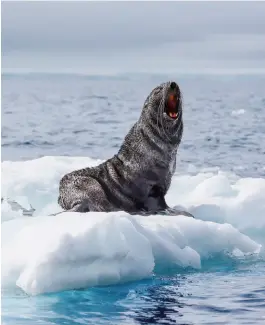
(138,177)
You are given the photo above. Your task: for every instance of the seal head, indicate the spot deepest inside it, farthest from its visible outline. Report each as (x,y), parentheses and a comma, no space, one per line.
(163,110)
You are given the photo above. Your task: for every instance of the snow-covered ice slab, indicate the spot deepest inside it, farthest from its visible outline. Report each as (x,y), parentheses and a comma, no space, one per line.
(72,250)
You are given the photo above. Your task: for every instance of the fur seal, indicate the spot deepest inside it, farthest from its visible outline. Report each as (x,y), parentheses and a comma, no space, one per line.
(138,177)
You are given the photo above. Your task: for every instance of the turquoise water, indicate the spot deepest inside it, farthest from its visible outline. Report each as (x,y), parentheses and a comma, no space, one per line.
(226,293)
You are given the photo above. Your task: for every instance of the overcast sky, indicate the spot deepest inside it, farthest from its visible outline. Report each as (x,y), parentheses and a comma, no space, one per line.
(113,37)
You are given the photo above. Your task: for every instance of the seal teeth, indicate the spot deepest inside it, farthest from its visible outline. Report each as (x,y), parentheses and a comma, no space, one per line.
(173,114)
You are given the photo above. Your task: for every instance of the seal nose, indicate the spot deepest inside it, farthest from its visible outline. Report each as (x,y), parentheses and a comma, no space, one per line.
(173,85)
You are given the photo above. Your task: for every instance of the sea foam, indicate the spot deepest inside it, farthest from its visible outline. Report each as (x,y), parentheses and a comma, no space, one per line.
(71,250)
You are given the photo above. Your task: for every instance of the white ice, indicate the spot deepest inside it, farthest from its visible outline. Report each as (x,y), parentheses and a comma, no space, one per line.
(71,250)
(238,112)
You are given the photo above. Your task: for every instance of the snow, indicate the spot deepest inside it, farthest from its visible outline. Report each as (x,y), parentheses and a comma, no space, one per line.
(71,250)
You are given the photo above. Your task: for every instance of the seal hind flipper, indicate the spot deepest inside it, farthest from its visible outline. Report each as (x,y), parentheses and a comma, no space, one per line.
(82,194)
(175,212)
(82,206)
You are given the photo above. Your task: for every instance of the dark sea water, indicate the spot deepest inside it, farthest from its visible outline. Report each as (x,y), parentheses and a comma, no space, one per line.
(224,117)
(224,127)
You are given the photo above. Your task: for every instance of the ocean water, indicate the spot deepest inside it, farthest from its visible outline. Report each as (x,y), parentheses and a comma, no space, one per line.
(120,269)
(89,116)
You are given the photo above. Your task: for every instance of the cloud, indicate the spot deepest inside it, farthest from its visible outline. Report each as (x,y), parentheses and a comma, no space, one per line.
(139,35)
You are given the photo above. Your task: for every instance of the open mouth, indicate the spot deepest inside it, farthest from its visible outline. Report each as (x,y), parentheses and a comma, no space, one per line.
(172,106)
(172,103)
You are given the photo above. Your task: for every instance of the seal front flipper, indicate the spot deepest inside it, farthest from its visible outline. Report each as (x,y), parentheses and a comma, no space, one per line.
(156,202)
